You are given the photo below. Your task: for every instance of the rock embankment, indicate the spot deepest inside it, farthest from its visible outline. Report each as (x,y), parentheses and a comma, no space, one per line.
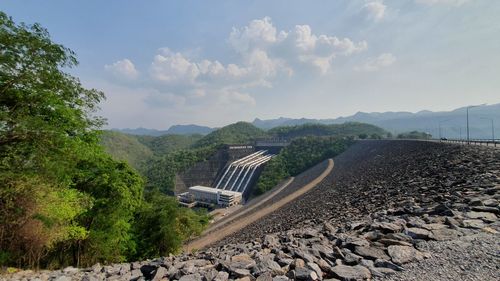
(389,211)
(378,175)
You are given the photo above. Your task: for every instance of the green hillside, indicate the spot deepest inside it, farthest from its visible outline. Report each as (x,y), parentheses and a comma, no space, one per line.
(346,129)
(126,148)
(160,158)
(237,133)
(300,155)
(167,143)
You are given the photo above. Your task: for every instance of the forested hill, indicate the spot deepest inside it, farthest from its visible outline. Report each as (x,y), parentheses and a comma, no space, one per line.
(159,158)
(138,149)
(237,133)
(361,130)
(126,148)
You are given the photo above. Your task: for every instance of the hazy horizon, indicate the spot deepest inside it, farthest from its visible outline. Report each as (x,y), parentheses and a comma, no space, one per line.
(192,62)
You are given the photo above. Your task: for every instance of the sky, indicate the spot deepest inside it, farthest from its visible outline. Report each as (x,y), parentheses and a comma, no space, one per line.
(212,63)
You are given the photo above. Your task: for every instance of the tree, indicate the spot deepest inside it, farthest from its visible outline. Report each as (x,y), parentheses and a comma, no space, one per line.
(59,191)
(46,123)
(163,226)
(63,200)
(300,155)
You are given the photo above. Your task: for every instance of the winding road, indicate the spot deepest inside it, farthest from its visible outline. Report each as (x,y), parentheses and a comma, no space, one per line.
(234,223)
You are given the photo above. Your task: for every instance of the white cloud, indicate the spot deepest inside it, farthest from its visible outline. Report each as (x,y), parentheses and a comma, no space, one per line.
(265,56)
(170,67)
(375,10)
(442,2)
(259,33)
(122,69)
(374,64)
(294,48)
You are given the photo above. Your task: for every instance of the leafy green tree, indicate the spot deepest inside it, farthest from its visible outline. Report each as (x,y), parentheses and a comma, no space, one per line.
(274,172)
(117,192)
(300,155)
(161,171)
(62,199)
(162,226)
(46,124)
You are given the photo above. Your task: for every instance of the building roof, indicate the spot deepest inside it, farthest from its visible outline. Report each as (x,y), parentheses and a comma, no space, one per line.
(213,190)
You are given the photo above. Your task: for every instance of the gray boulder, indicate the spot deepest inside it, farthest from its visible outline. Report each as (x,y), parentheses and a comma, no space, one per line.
(357,272)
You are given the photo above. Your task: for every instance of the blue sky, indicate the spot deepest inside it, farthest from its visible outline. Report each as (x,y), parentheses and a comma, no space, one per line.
(212,63)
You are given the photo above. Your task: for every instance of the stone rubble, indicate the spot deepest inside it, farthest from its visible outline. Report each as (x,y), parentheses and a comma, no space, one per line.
(380,244)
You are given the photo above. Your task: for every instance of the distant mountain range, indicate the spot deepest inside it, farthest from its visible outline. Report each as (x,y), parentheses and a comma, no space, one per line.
(452,123)
(174,130)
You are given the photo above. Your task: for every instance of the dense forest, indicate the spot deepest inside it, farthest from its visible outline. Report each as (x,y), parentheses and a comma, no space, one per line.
(300,155)
(63,199)
(361,130)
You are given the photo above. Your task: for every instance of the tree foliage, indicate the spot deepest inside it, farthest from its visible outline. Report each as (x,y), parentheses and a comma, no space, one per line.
(46,128)
(63,200)
(237,133)
(300,155)
(165,144)
(127,148)
(163,226)
(162,170)
(338,130)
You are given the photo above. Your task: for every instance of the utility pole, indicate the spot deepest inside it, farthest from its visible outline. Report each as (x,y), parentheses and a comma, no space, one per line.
(468,107)
(468,138)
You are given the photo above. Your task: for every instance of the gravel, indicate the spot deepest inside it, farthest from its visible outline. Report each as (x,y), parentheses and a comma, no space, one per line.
(473,257)
(377,175)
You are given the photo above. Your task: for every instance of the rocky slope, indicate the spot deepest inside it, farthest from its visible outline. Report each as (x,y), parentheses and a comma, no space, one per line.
(390,210)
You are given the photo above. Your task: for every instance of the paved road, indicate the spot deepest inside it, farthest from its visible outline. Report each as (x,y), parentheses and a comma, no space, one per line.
(250,207)
(241,222)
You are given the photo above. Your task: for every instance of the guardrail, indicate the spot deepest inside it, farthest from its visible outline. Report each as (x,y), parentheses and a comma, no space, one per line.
(484,142)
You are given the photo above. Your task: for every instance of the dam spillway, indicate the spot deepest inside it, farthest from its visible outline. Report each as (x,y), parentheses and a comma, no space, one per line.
(238,175)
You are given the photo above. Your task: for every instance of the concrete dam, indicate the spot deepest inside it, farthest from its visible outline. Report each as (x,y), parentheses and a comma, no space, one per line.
(228,177)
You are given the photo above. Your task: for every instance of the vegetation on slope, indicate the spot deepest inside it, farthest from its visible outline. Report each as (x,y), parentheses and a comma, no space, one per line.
(300,155)
(126,148)
(165,144)
(63,199)
(346,129)
(414,135)
(162,170)
(237,133)
(174,153)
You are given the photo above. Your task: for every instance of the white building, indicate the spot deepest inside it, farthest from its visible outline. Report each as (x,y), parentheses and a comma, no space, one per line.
(205,194)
